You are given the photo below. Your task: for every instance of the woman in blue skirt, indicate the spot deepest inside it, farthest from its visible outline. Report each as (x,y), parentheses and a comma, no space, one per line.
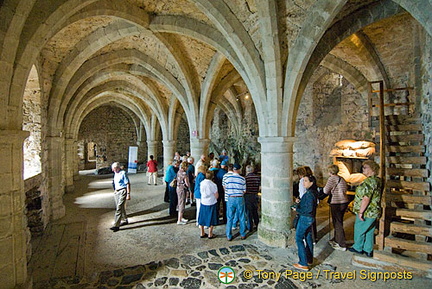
(207,215)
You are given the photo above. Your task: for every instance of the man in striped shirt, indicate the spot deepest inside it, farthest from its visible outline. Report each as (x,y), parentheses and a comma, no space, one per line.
(253,184)
(235,187)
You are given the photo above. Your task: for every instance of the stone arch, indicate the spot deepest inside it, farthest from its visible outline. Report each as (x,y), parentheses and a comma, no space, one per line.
(330,38)
(12,15)
(236,35)
(352,74)
(420,10)
(110,63)
(36,36)
(303,49)
(101,99)
(114,81)
(217,96)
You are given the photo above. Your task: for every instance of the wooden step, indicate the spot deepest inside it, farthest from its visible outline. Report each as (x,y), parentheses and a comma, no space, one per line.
(409,198)
(416,246)
(414,229)
(403,261)
(416,186)
(405,138)
(405,127)
(414,214)
(417,173)
(402,119)
(406,160)
(404,149)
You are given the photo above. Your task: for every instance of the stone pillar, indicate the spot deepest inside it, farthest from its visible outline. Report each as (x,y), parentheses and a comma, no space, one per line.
(13,229)
(168,152)
(199,147)
(54,177)
(152,147)
(71,164)
(276,188)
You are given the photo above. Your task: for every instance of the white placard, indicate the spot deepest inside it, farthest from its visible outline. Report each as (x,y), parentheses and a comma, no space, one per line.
(133,160)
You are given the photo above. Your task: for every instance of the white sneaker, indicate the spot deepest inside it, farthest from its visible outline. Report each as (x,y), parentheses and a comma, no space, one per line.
(184,220)
(332,243)
(181,223)
(336,246)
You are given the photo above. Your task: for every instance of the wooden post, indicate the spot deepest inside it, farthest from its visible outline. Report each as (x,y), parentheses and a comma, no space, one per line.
(382,130)
(382,222)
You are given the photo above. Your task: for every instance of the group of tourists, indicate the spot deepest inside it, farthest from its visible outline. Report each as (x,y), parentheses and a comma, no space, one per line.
(222,195)
(366,207)
(217,189)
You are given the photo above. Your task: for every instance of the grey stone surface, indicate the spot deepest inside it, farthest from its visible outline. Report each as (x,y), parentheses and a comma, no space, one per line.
(181,262)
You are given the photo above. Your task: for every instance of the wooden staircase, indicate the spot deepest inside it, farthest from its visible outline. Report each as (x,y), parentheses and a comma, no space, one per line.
(405,230)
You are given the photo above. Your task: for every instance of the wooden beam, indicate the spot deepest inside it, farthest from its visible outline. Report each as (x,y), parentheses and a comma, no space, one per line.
(409,198)
(420,173)
(407,160)
(403,261)
(392,89)
(405,149)
(413,229)
(414,214)
(409,245)
(405,127)
(416,186)
(405,138)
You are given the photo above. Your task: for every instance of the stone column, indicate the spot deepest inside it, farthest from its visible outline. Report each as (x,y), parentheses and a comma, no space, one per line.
(199,147)
(152,147)
(54,177)
(276,188)
(70,165)
(13,229)
(168,152)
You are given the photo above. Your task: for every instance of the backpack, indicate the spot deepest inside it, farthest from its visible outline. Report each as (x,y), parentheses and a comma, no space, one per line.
(320,193)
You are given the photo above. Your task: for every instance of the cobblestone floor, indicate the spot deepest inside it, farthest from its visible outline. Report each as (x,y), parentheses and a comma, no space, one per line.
(79,251)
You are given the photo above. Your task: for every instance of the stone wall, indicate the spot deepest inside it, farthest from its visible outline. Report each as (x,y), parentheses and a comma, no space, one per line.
(426,92)
(183,138)
(240,143)
(113,131)
(331,110)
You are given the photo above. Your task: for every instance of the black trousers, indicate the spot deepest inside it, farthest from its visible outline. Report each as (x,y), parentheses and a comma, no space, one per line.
(166,196)
(221,201)
(173,201)
(251,202)
(338,211)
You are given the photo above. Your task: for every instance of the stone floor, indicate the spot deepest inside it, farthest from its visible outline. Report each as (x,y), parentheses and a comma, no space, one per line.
(152,251)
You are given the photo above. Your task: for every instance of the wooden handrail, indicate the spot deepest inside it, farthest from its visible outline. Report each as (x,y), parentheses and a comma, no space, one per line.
(393,89)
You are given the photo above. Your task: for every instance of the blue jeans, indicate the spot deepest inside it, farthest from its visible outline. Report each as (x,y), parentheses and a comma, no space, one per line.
(304,234)
(235,210)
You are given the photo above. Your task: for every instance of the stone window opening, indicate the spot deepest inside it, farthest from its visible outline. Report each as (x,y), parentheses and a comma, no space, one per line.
(32,123)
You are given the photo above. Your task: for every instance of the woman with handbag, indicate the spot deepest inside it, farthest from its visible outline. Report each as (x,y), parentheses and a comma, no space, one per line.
(336,188)
(170,190)
(182,191)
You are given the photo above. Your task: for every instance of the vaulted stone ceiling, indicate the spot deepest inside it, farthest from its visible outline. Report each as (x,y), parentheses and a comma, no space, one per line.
(163,57)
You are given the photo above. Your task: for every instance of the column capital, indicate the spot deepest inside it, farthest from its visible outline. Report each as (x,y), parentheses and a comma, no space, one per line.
(169,142)
(276,144)
(152,142)
(201,141)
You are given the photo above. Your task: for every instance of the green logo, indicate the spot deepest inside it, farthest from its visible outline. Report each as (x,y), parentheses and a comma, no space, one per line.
(226,275)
